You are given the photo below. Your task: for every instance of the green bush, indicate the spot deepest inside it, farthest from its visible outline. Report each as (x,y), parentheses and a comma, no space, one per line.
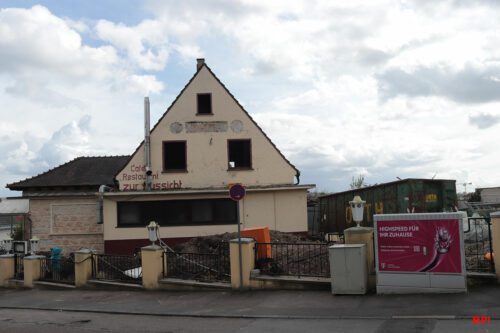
(17,233)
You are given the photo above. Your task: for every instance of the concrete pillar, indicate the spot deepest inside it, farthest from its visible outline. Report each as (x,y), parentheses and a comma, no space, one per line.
(247,261)
(32,270)
(83,267)
(152,267)
(6,269)
(495,239)
(364,235)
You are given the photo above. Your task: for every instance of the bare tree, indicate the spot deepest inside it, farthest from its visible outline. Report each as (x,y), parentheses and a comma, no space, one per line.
(358,182)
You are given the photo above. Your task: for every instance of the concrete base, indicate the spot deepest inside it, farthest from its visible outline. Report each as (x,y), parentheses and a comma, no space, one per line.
(414,290)
(364,235)
(276,282)
(180,284)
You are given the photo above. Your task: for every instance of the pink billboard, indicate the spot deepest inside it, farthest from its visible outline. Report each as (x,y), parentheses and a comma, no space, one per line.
(419,246)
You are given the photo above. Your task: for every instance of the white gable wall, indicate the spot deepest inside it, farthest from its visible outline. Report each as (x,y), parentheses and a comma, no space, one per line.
(207,155)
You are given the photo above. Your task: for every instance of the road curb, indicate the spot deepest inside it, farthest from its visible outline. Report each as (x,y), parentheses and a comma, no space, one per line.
(244,316)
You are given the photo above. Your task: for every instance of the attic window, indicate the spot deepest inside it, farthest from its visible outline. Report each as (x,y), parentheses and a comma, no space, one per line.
(174,156)
(239,154)
(204,102)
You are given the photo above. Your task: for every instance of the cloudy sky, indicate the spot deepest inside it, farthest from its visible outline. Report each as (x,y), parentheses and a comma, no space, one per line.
(383,88)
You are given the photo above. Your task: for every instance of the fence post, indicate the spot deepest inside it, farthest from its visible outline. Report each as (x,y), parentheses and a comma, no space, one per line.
(364,235)
(247,261)
(6,269)
(32,269)
(495,240)
(83,267)
(152,266)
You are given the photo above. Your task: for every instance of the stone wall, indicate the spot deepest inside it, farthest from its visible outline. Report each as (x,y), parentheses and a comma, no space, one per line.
(68,223)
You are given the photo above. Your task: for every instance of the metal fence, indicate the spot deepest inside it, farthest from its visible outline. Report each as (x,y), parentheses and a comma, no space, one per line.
(199,266)
(301,259)
(19,266)
(478,245)
(117,268)
(60,270)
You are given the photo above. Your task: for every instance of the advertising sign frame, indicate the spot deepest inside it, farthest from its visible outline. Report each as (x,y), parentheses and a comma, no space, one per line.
(409,278)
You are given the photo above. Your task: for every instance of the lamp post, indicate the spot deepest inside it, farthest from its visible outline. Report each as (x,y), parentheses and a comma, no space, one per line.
(153,232)
(357,206)
(34,245)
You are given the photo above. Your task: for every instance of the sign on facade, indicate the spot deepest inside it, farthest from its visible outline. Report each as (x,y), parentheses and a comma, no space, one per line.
(419,253)
(237,192)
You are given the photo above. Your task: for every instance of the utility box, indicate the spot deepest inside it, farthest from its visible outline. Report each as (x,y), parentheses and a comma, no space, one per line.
(348,268)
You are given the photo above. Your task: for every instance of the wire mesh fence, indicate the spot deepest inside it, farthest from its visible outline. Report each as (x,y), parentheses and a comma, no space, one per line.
(199,266)
(117,268)
(300,259)
(478,245)
(60,270)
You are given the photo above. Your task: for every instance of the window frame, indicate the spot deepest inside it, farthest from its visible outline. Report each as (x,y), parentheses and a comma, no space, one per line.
(189,211)
(229,168)
(198,106)
(185,170)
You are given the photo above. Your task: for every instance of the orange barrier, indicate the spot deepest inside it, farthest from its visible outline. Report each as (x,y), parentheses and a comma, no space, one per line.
(488,256)
(261,235)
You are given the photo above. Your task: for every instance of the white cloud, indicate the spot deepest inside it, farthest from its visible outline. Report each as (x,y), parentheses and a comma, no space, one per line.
(146,44)
(405,88)
(34,41)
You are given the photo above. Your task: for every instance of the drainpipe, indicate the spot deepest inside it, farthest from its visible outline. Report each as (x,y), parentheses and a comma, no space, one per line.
(297,175)
(147,145)
(102,189)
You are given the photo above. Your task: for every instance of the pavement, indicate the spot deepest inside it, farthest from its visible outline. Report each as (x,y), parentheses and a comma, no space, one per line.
(482,301)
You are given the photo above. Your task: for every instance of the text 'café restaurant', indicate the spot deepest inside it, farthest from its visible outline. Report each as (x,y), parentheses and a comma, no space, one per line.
(138,173)
(178,176)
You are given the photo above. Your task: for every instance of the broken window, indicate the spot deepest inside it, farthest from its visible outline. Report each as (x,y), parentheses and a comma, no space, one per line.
(239,153)
(174,156)
(204,102)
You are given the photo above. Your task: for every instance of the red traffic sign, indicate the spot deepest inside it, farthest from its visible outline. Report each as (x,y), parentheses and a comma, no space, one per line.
(237,192)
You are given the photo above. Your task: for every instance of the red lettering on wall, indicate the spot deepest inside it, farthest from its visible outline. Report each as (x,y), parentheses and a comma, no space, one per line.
(175,184)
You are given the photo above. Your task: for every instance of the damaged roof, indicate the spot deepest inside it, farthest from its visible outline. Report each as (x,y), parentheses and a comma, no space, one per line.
(80,172)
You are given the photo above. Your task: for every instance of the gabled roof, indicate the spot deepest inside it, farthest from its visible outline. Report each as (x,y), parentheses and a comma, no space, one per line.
(80,172)
(234,99)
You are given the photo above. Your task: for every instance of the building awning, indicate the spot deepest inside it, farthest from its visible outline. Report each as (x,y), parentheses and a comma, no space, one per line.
(211,190)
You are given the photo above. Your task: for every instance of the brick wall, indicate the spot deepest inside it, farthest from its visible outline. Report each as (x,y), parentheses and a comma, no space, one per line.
(68,223)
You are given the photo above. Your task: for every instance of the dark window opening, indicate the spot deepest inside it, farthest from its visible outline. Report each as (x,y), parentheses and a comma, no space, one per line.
(239,154)
(176,212)
(204,103)
(174,155)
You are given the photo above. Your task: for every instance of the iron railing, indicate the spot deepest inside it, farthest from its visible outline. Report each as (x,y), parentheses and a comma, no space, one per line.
(199,266)
(18,266)
(117,268)
(61,270)
(478,245)
(301,259)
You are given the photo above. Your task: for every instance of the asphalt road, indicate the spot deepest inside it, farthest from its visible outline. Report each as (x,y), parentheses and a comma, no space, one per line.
(37,321)
(98,310)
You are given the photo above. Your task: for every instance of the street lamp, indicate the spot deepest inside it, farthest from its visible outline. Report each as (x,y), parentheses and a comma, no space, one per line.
(34,245)
(357,206)
(153,232)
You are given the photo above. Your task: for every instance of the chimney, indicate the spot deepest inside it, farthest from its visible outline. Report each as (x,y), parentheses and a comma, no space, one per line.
(199,63)
(147,145)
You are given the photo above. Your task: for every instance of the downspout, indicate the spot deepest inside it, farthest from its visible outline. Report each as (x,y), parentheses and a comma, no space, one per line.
(297,175)
(147,146)
(102,189)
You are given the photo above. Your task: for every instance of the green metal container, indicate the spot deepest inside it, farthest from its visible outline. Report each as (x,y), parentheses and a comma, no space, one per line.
(403,196)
